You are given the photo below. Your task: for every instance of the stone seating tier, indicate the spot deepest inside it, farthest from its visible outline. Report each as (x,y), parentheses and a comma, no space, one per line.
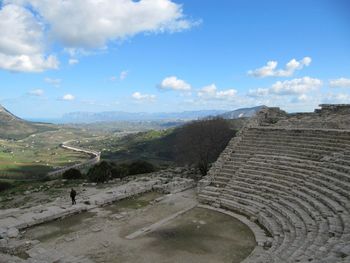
(296,184)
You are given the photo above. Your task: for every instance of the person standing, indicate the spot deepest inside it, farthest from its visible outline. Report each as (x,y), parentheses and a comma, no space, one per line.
(73,194)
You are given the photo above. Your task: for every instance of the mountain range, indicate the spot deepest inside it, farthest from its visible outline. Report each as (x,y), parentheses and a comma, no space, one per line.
(13,127)
(112,116)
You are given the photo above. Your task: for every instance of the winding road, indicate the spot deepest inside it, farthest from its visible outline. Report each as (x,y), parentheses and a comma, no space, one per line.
(96,157)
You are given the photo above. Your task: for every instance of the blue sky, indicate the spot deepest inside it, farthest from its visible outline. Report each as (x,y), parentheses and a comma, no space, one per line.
(162,55)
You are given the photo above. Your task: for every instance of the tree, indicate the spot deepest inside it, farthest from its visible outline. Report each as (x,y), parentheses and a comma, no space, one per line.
(120,171)
(141,167)
(72,174)
(200,143)
(5,186)
(100,173)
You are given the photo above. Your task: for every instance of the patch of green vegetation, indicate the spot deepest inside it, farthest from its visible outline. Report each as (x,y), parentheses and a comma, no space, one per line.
(72,174)
(58,228)
(19,129)
(36,155)
(153,146)
(5,186)
(127,126)
(135,202)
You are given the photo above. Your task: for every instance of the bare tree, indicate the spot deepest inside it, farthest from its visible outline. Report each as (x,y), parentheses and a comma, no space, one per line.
(200,143)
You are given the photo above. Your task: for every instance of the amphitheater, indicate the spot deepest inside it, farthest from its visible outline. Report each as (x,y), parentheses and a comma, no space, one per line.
(291,175)
(283,183)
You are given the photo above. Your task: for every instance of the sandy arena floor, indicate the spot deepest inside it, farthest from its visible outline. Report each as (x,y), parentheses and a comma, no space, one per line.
(157,234)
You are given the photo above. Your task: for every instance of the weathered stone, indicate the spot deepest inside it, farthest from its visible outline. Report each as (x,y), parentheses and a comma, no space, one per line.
(346,250)
(116,216)
(96,229)
(69,239)
(12,232)
(289,174)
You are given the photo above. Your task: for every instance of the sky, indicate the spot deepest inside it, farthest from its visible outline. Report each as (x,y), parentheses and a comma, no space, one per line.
(172,55)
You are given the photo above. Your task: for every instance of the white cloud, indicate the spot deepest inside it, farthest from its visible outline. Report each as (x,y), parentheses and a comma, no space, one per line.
(226,94)
(298,87)
(303,97)
(270,69)
(295,86)
(336,98)
(36,92)
(339,83)
(68,97)
(26,25)
(22,41)
(260,92)
(53,82)
(211,92)
(73,61)
(143,97)
(173,83)
(28,63)
(92,24)
(123,74)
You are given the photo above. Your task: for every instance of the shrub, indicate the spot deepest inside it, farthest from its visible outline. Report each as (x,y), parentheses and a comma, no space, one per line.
(100,173)
(120,171)
(5,186)
(141,167)
(72,174)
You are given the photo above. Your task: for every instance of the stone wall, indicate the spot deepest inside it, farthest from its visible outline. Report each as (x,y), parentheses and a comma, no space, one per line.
(329,116)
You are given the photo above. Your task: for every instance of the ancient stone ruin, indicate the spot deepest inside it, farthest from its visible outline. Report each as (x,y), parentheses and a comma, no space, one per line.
(14,222)
(291,175)
(285,176)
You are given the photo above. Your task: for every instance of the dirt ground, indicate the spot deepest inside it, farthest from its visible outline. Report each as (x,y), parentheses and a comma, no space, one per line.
(198,235)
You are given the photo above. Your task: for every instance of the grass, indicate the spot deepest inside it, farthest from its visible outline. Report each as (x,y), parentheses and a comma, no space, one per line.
(156,146)
(16,129)
(34,156)
(136,202)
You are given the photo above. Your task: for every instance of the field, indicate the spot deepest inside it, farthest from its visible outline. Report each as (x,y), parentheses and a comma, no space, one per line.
(156,146)
(153,146)
(35,155)
(32,157)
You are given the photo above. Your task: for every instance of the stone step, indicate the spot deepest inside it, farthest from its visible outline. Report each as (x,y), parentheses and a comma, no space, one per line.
(292,177)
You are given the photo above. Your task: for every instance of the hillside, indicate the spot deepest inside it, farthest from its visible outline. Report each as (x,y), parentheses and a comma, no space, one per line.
(12,127)
(241,113)
(154,146)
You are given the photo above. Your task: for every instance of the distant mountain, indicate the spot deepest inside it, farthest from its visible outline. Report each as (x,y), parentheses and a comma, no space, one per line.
(240,113)
(117,116)
(13,127)
(112,116)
